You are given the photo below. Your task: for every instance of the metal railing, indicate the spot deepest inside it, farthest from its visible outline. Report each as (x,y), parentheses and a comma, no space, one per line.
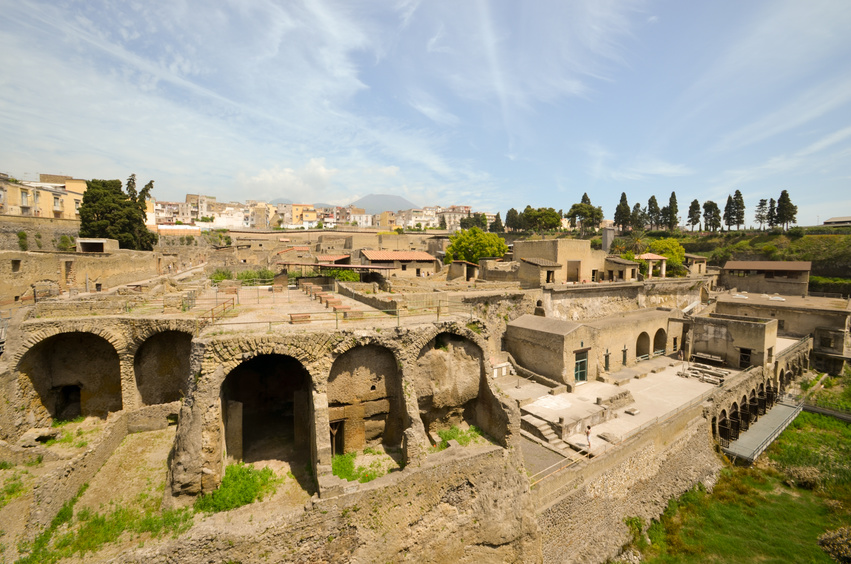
(220,309)
(774,434)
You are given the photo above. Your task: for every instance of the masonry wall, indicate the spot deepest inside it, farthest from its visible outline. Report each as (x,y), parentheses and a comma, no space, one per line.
(727,335)
(51,230)
(581,515)
(758,283)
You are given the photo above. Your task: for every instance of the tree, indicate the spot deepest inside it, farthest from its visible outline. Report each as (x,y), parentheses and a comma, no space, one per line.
(654,214)
(739,203)
(512,220)
(479,220)
(585,199)
(729,213)
(669,248)
(586,215)
(540,219)
(671,219)
(496,226)
(694,214)
(622,215)
(761,213)
(711,216)
(107,211)
(442,222)
(786,210)
(472,244)
(772,213)
(638,217)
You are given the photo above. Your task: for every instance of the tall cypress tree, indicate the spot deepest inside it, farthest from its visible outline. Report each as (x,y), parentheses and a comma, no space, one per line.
(739,202)
(772,213)
(694,214)
(622,213)
(672,220)
(786,211)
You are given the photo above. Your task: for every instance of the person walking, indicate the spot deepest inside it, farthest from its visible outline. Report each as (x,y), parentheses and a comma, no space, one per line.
(588,435)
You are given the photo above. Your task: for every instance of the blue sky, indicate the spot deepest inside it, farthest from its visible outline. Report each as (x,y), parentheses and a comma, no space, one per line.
(491,104)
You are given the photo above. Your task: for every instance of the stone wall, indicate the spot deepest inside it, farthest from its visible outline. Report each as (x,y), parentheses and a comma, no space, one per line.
(51,230)
(464,504)
(583,519)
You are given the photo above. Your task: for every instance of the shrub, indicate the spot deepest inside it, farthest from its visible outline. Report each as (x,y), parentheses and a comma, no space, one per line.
(837,544)
(65,243)
(241,485)
(221,274)
(22,241)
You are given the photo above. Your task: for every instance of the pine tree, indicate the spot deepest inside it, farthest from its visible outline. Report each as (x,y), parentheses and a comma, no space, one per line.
(622,214)
(496,226)
(730,213)
(786,210)
(107,211)
(654,214)
(512,220)
(711,216)
(761,213)
(585,199)
(694,214)
(638,217)
(772,213)
(739,202)
(671,217)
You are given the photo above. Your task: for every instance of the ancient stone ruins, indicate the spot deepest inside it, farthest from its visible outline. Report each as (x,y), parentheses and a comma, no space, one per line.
(531,350)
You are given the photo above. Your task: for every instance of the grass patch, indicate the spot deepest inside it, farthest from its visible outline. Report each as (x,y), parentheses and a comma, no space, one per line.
(70,439)
(13,487)
(5,464)
(463,436)
(242,484)
(343,466)
(775,513)
(88,532)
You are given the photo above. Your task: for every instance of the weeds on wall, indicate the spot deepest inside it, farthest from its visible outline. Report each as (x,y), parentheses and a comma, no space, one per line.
(242,484)
(22,241)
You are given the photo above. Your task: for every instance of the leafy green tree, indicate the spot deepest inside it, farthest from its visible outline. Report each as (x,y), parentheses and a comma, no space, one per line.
(496,226)
(694,214)
(772,213)
(669,248)
(739,203)
(107,211)
(638,217)
(472,244)
(540,219)
(670,217)
(622,214)
(585,199)
(443,222)
(512,220)
(761,213)
(586,215)
(786,210)
(654,214)
(711,216)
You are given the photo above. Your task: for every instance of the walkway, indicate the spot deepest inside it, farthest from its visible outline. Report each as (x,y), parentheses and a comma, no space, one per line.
(755,440)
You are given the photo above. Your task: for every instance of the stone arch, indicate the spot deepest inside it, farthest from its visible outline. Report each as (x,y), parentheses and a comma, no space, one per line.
(449,373)
(365,401)
(161,367)
(660,341)
(73,373)
(42,334)
(642,345)
(267,411)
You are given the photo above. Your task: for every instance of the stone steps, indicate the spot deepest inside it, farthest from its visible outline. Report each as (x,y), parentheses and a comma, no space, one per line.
(542,430)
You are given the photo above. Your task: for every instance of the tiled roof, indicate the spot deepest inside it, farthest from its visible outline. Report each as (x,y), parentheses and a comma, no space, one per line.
(651,256)
(694,257)
(619,260)
(540,262)
(331,258)
(397,255)
(294,249)
(773,265)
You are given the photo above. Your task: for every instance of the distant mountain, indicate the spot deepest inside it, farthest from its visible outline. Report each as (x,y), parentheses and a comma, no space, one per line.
(281,201)
(377,203)
(324,206)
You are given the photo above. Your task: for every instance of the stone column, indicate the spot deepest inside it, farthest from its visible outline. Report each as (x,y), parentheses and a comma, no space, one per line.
(649,269)
(664,264)
(130,397)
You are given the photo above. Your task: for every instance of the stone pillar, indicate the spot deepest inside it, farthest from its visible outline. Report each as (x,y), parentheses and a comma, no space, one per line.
(130,397)
(321,430)
(649,269)
(662,268)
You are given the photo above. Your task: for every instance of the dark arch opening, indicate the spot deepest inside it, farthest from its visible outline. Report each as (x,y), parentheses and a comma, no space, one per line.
(74,374)
(161,366)
(365,402)
(449,374)
(267,410)
(660,341)
(642,345)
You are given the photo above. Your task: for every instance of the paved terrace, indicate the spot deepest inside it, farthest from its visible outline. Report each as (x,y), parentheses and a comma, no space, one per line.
(655,386)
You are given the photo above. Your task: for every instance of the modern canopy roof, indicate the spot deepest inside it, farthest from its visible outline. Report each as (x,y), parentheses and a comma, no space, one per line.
(768,265)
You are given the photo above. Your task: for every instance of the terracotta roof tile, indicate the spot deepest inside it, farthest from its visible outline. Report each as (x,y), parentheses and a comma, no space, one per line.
(397,255)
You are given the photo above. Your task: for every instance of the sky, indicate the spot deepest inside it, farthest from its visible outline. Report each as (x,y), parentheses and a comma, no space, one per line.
(490,104)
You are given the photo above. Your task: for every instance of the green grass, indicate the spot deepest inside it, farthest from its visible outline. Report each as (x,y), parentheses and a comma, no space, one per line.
(62,423)
(343,466)
(70,439)
(88,532)
(242,484)
(464,437)
(5,465)
(13,486)
(773,514)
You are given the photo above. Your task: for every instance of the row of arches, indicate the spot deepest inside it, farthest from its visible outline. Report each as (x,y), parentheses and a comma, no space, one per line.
(642,344)
(739,415)
(79,373)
